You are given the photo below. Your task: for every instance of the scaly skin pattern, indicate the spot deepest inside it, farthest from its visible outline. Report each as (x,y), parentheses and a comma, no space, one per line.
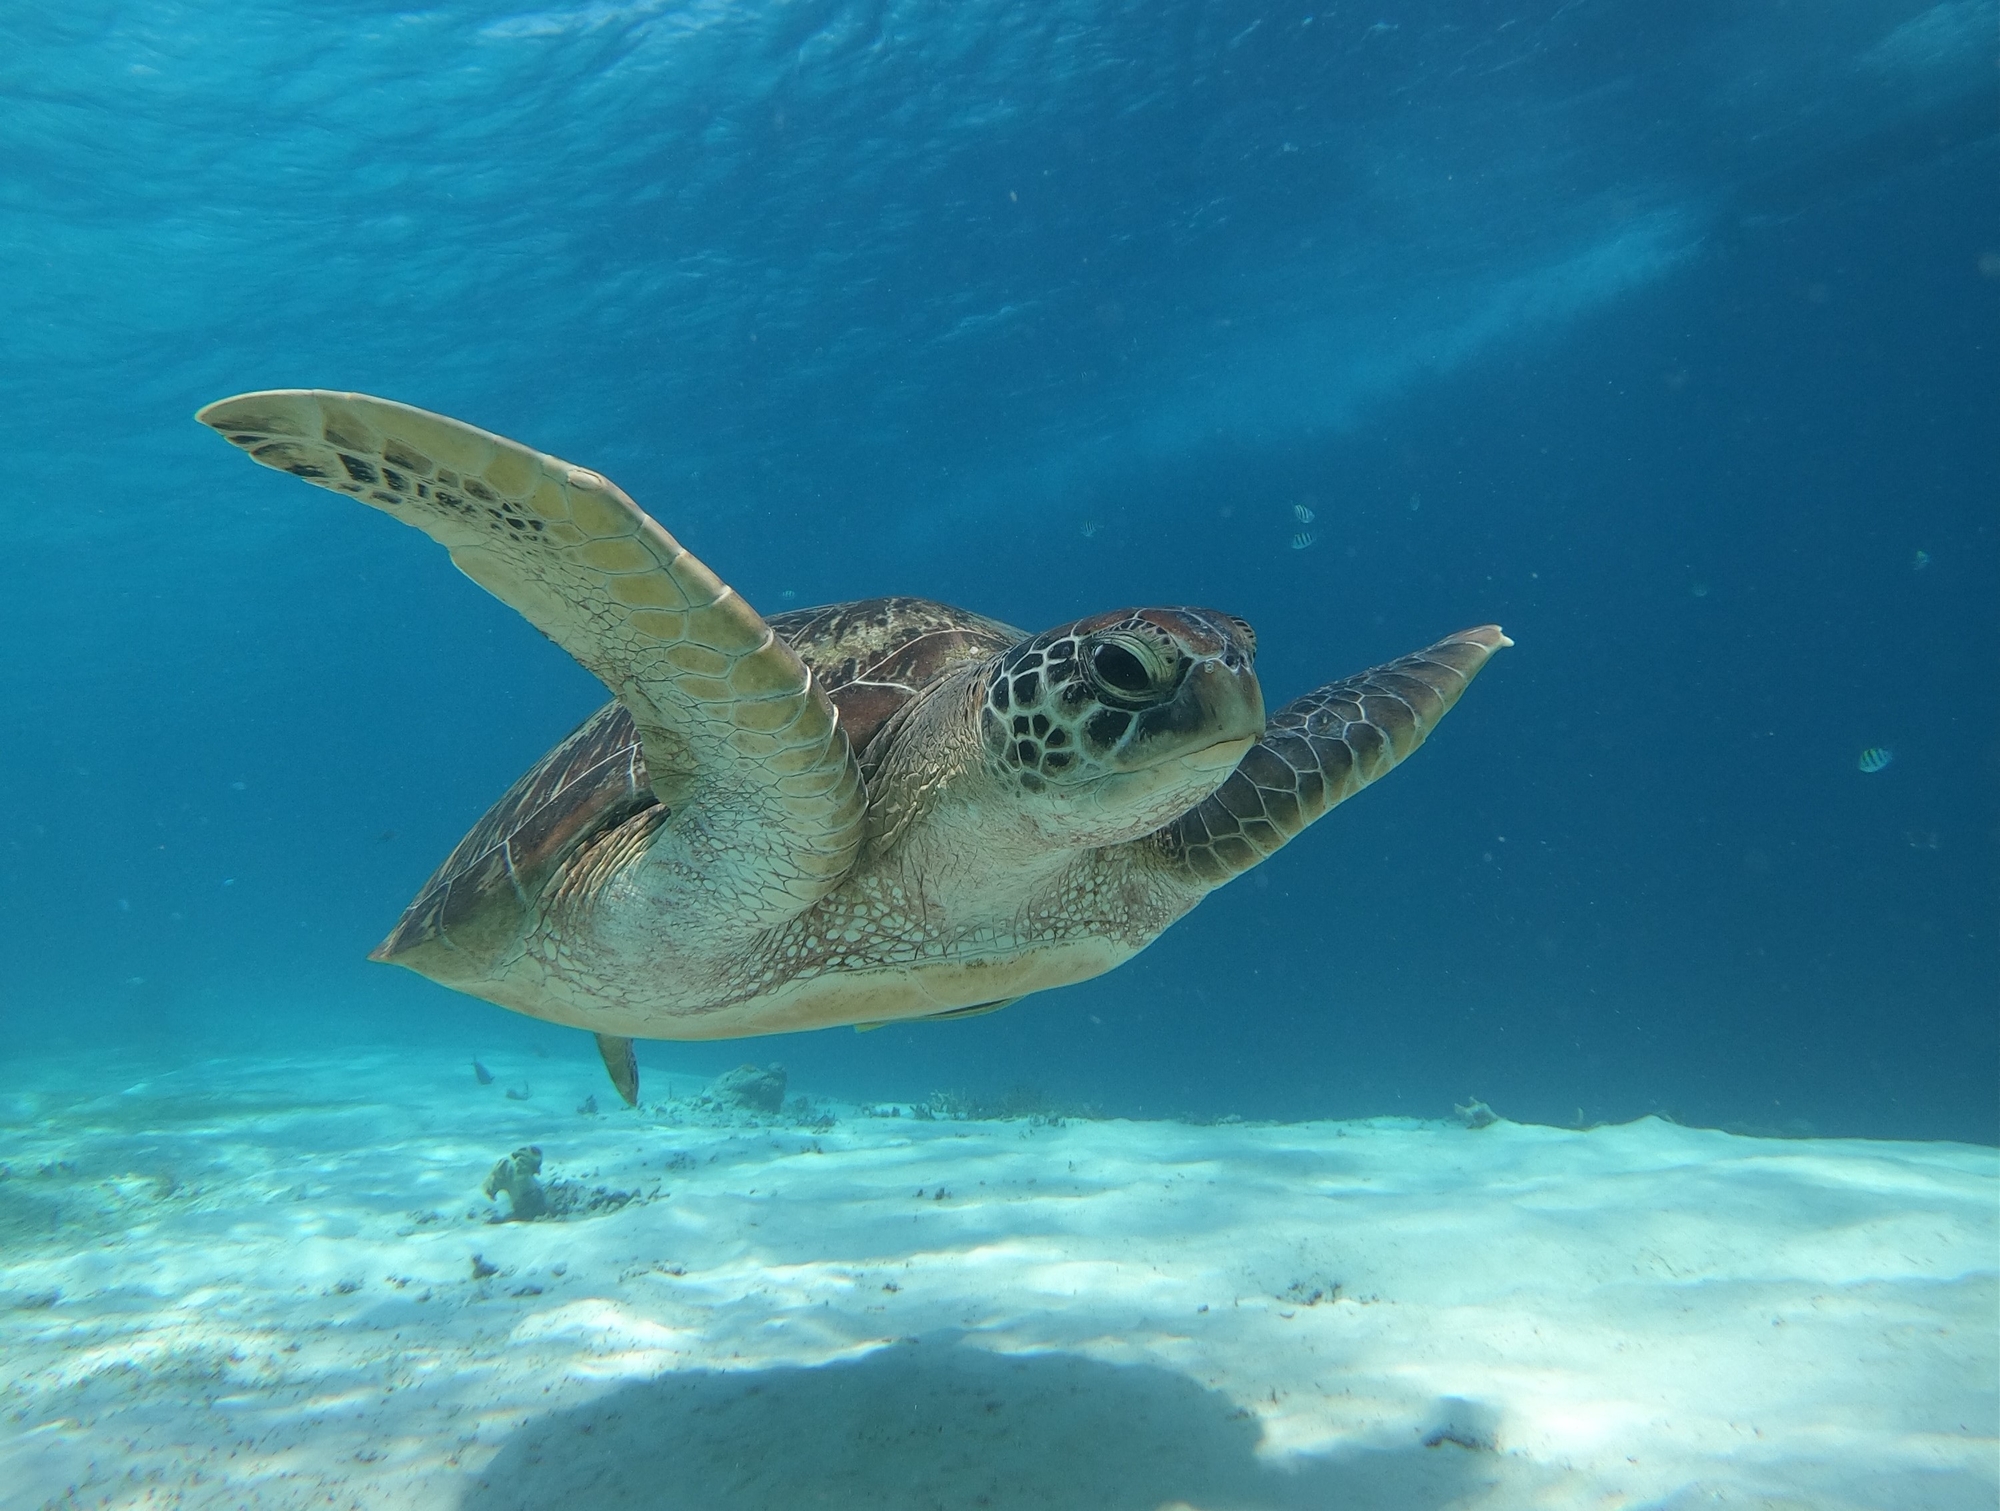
(1025,817)
(733,725)
(958,898)
(964,900)
(1319,751)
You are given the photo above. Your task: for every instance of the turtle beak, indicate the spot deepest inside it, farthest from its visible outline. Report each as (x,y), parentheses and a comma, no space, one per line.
(1212,719)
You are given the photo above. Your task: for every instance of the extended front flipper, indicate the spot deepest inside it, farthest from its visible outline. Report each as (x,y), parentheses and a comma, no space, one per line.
(977,1010)
(1320,750)
(742,746)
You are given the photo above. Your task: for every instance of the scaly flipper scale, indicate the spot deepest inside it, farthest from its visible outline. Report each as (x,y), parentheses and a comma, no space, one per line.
(1318,751)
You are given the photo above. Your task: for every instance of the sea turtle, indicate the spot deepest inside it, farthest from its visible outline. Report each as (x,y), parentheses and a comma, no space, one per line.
(856,814)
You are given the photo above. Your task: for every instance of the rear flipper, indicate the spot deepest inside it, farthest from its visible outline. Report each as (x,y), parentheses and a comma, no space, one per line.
(1320,750)
(623,1065)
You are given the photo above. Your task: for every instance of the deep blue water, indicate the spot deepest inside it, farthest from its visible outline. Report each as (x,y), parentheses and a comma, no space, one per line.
(1663,335)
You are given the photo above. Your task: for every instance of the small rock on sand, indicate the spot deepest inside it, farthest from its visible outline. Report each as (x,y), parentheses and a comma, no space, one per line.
(751,1087)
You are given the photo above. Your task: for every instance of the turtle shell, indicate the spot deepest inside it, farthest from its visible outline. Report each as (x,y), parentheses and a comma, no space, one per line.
(872,656)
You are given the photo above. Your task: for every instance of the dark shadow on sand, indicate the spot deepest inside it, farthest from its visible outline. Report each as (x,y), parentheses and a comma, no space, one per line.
(950,1427)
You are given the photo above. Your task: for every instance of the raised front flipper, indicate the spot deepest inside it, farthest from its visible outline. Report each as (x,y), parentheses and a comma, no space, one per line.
(740,741)
(1320,750)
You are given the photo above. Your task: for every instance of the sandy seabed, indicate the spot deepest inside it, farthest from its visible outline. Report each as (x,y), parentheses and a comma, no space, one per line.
(276,1282)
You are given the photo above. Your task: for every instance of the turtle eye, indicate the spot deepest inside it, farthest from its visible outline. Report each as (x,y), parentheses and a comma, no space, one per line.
(1120,672)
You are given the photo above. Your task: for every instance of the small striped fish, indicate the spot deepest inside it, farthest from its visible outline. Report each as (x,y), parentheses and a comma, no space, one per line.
(1303,539)
(1875,757)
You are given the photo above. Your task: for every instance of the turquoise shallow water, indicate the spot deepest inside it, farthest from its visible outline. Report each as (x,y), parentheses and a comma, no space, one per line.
(1659,340)
(1662,339)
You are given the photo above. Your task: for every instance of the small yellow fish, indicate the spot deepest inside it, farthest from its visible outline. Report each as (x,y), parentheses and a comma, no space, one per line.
(1875,757)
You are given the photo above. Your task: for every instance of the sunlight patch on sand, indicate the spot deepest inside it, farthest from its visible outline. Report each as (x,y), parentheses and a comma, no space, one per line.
(206,1295)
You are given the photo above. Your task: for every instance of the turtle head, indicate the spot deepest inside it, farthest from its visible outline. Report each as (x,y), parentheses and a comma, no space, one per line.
(1110,726)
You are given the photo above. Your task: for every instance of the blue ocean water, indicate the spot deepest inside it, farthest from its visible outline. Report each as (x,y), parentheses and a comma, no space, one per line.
(1663,336)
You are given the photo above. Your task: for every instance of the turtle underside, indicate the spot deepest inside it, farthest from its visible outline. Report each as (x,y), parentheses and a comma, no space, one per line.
(872,657)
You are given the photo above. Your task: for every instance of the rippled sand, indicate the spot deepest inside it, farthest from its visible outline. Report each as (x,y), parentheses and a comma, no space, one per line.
(252,1283)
